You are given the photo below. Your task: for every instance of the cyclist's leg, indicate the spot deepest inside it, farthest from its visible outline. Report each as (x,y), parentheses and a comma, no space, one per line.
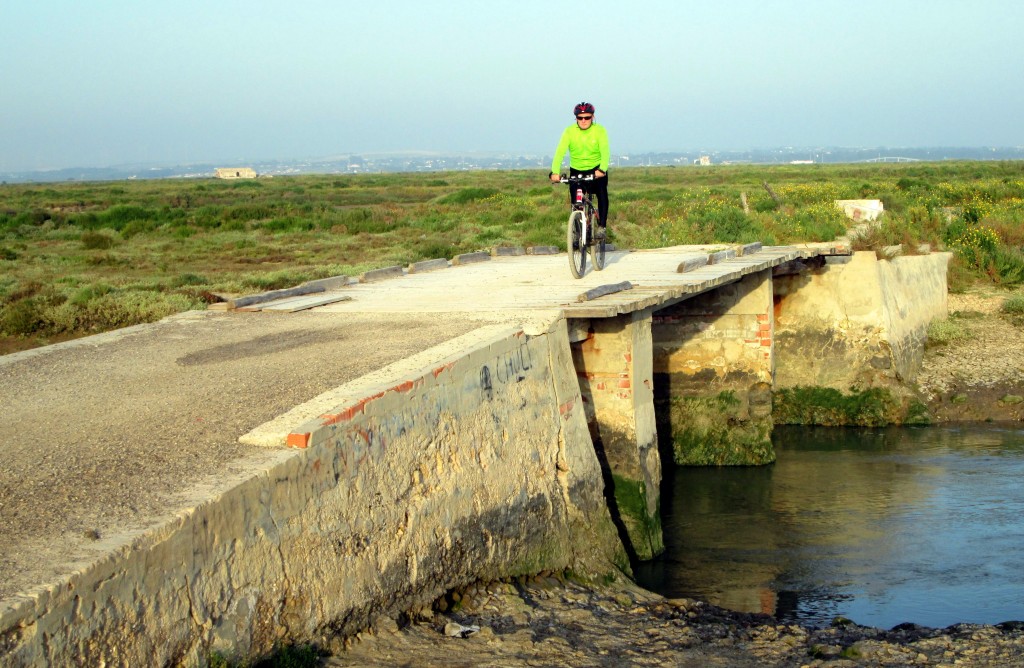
(600,189)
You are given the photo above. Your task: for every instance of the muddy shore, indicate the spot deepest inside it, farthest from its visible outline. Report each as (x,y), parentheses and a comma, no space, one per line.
(548,621)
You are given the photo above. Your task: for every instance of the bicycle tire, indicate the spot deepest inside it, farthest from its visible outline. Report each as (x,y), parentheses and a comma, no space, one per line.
(574,244)
(597,245)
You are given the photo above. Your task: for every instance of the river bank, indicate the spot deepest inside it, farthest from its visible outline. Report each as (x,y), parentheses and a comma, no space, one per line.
(547,621)
(978,376)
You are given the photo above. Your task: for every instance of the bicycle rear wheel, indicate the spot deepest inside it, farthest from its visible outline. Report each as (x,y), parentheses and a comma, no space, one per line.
(597,245)
(574,243)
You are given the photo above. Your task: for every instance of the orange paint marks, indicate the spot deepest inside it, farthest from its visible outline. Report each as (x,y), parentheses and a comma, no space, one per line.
(441,369)
(764,327)
(625,384)
(629,357)
(350,412)
(763,317)
(300,441)
(407,386)
(564,409)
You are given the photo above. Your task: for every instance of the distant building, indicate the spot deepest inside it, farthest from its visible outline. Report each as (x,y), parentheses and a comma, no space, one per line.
(703,160)
(235,173)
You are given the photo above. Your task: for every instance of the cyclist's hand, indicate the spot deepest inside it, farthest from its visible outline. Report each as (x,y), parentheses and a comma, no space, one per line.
(599,174)
(555,178)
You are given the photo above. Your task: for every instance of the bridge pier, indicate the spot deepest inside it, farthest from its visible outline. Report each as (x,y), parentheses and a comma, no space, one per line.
(613,362)
(713,359)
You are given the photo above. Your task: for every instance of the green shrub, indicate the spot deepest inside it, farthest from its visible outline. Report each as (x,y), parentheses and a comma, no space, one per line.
(97,240)
(33,218)
(248,212)
(818,222)
(276,280)
(1013,305)
(288,224)
(137,227)
(22,318)
(467,195)
(1013,308)
(944,331)
(189,279)
(1006,266)
(117,217)
(356,221)
(90,292)
(116,309)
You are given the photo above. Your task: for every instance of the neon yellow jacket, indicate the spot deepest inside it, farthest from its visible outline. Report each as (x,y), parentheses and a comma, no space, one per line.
(587,148)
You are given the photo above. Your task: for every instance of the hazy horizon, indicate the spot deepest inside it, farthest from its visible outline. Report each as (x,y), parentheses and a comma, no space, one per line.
(116,82)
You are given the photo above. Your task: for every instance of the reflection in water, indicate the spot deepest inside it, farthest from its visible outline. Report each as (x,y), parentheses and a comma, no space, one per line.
(922,525)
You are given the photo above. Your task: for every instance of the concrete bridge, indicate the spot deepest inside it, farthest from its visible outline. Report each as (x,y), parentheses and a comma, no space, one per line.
(516,431)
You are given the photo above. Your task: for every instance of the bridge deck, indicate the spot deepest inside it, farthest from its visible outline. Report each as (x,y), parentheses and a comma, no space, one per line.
(530,282)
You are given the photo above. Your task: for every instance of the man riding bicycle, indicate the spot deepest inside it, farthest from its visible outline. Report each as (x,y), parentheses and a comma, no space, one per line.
(587,143)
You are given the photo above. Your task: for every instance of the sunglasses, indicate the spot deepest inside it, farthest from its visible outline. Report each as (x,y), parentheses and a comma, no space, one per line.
(584,118)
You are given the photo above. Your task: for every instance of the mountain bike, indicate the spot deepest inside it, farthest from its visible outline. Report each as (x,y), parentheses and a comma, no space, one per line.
(581,231)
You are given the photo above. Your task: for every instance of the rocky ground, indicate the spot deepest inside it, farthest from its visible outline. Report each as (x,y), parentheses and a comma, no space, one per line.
(547,621)
(979,377)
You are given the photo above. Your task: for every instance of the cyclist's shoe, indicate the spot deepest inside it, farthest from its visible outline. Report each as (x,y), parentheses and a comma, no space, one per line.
(601,234)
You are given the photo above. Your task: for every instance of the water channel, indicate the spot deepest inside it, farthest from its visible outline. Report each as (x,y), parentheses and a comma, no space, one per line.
(884,526)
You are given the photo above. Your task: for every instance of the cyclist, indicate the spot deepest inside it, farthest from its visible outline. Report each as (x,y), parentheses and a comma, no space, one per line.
(587,143)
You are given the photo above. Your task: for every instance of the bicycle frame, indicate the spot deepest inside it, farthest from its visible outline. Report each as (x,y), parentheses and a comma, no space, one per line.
(584,202)
(581,237)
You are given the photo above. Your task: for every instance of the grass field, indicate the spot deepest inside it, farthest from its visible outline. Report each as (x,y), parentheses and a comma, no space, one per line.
(81,258)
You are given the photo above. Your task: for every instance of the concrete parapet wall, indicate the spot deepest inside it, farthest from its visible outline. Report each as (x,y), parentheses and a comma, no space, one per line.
(858,323)
(478,465)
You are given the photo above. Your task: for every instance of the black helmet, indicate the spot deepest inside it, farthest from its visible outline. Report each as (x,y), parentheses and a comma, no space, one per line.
(583,108)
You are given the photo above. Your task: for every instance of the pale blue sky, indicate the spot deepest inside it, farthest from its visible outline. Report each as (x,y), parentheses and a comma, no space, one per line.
(107,82)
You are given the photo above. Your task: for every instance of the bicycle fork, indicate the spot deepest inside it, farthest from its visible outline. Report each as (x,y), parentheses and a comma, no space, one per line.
(584,227)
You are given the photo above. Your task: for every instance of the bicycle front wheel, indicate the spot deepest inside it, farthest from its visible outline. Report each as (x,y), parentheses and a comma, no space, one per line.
(575,244)
(597,247)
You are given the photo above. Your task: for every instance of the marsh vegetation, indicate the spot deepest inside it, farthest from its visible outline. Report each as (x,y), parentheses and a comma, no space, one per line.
(80,258)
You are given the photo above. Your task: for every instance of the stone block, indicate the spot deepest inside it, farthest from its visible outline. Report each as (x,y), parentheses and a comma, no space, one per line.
(381,274)
(543,250)
(470,258)
(428,265)
(507,251)
(691,263)
(721,256)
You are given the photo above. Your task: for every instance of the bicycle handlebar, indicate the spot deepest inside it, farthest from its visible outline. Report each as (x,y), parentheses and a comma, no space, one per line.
(575,179)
